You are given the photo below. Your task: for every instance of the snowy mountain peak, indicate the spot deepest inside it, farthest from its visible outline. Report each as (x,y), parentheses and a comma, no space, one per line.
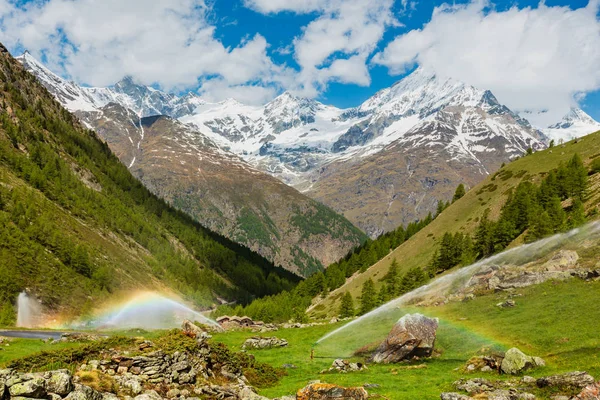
(576,116)
(422,93)
(575,124)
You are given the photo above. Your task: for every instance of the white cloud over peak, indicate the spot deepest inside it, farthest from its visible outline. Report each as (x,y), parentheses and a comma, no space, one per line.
(539,58)
(158,42)
(337,44)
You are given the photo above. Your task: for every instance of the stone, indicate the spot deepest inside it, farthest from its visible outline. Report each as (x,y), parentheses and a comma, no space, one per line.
(325,391)
(171,394)
(289,366)
(412,336)
(190,329)
(575,379)
(344,366)
(515,361)
(3,391)
(148,395)
(477,385)
(247,393)
(60,382)
(180,366)
(33,388)
(132,385)
(259,342)
(506,304)
(510,394)
(81,392)
(591,392)
(454,396)
(562,261)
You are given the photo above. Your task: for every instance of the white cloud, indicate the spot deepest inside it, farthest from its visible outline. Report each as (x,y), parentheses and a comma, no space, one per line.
(157,42)
(276,6)
(531,58)
(332,47)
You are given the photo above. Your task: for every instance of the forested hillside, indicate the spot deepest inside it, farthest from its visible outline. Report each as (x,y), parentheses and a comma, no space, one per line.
(76,227)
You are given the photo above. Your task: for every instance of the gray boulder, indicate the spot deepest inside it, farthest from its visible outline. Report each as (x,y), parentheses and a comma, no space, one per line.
(454,396)
(259,342)
(33,388)
(575,379)
(59,382)
(82,392)
(148,395)
(412,336)
(515,362)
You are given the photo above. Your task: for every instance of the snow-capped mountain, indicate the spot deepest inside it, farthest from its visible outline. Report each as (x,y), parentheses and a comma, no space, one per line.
(145,101)
(575,124)
(312,146)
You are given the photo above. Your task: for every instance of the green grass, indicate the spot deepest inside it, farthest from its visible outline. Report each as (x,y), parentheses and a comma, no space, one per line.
(557,321)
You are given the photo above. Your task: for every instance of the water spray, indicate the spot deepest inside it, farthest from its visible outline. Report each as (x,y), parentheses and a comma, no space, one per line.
(451,283)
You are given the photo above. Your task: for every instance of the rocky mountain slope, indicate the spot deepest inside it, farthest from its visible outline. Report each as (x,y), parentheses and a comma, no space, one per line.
(190,171)
(76,228)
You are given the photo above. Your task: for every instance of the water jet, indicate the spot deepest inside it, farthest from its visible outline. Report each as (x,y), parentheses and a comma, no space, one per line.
(373,325)
(29,311)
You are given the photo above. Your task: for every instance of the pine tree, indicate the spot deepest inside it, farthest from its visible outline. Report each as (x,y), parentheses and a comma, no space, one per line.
(383,295)
(483,236)
(440,208)
(541,226)
(347,306)
(368,297)
(391,278)
(557,214)
(459,193)
(577,217)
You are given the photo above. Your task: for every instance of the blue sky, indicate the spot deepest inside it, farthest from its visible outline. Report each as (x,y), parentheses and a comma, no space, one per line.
(533,57)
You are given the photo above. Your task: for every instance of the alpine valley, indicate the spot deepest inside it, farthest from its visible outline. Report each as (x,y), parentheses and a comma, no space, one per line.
(252,173)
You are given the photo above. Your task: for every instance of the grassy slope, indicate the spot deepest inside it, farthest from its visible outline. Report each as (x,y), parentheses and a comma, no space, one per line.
(464,214)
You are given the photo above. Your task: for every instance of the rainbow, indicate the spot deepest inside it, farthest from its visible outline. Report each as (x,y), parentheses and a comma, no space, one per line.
(145,310)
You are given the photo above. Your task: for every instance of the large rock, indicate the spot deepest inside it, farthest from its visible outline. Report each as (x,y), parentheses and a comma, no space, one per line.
(33,388)
(82,392)
(412,336)
(259,342)
(575,379)
(191,329)
(591,392)
(515,362)
(326,391)
(59,382)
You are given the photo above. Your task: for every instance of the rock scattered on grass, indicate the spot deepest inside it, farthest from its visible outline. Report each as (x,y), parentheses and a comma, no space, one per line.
(412,337)
(344,366)
(325,391)
(515,362)
(259,343)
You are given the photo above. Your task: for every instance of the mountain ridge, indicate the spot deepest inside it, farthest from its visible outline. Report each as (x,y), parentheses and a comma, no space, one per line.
(317,148)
